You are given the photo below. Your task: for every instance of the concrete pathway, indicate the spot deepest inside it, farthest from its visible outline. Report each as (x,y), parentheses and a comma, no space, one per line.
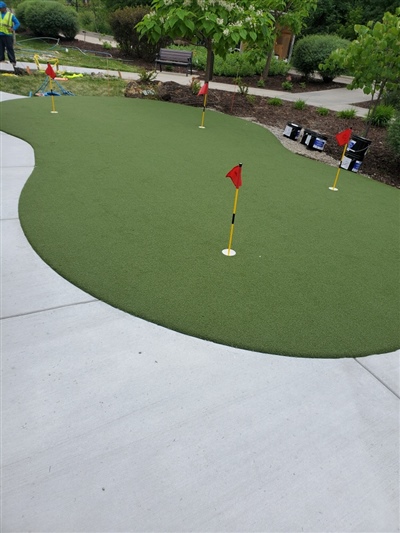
(334,99)
(113,424)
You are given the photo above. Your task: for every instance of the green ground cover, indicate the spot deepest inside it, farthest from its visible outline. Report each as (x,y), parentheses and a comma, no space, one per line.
(129,201)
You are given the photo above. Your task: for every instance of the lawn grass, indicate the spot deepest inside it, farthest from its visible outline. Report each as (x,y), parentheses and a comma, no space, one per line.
(129,201)
(26,48)
(86,86)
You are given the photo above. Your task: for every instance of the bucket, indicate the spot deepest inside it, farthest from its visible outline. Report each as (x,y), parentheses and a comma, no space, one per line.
(358,146)
(316,141)
(292,131)
(351,162)
(306,136)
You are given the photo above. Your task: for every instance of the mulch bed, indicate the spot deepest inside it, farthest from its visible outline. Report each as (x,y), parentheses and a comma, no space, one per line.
(379,164)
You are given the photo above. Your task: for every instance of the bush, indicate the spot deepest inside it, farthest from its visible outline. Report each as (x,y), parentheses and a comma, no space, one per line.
(381,116)
(275,102)
(347,113)
(48,19)
(20,13)
(393,135)
(247,63)
(123,22)
(287,86)
(312,51)
(299,104)
(323,111)
(94,20)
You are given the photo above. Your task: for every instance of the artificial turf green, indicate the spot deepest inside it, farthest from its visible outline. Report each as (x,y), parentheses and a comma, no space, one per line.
(129,201)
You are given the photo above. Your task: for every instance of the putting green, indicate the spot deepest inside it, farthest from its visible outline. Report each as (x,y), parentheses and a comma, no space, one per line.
(129,201)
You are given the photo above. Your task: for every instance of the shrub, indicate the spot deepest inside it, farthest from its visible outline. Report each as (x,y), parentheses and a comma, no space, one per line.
(287,86)
(251,98)
(123,22)
(247,63)
(242,87)
(347,113)
(312,51)
(299,104)
(381,116)
(261,82)
(323,111)
(49,19)
(393,135)
(20,13)
(146,76)
(392,98)
(275,101)
(195,85)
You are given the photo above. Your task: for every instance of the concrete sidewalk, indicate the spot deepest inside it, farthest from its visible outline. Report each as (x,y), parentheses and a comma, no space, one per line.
(110,423)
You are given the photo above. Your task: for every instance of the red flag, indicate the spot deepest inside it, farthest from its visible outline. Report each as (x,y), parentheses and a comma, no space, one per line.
(236,175)
(344,136)
(50,72)
(203,90)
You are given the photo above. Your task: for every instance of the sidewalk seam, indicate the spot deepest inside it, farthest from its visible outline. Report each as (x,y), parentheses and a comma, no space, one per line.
(49,309)
(378,378)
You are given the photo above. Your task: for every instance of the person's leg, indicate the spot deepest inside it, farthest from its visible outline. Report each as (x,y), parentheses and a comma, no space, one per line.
(2,47)
(9,42)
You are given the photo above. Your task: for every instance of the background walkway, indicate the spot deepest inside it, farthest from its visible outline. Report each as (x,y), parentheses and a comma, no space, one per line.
(110,423)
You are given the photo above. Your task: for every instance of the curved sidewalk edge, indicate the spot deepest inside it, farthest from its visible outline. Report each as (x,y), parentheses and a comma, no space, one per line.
(110,423)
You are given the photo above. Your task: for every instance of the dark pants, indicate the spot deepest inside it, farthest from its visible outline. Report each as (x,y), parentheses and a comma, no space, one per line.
(7,43)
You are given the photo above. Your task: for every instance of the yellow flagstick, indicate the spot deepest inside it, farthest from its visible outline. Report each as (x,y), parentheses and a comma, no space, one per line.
(233,222)
(53,107)
(333,188)
(204,111)
(236,176)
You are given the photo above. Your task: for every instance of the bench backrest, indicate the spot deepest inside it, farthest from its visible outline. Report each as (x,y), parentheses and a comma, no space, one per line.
(167,54)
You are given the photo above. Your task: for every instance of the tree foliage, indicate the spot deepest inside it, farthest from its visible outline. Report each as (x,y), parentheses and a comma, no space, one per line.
(219,25)
(373,59)
(123,24)
(340,16)
(287,14)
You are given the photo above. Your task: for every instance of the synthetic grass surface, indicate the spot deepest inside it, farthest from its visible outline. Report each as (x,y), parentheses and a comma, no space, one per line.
(129,201)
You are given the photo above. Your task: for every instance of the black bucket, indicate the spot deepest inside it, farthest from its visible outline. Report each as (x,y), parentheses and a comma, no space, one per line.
(358,147)
(351,162)
(306,134)
(315,141)
(292,131)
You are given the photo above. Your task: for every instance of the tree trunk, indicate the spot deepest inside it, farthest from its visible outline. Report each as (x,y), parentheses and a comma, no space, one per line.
(268,63)
(210,62)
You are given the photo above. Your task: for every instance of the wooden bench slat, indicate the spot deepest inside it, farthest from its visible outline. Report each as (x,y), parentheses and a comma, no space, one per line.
(182,58)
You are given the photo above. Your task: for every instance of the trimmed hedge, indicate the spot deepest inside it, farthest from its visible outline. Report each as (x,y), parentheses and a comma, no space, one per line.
(312,51)
(48,18)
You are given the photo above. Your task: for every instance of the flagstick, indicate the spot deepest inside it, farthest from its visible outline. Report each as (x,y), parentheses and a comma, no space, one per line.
(204,111)
(52,97)
(229,251)
(333,188)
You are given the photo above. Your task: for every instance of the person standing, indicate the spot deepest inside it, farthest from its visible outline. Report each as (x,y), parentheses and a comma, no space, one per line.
(8,24)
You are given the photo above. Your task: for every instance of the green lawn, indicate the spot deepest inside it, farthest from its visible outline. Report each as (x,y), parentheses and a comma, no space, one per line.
(129,201)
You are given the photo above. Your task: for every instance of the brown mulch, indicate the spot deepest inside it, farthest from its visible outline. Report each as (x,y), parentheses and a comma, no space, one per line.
(379,164)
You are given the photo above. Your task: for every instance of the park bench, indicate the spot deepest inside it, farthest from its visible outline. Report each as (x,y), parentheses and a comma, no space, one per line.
(180,58)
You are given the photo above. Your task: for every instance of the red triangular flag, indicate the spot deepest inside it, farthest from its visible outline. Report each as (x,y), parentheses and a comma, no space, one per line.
(236,175)
(50,72)
(344,136)
(203,90)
